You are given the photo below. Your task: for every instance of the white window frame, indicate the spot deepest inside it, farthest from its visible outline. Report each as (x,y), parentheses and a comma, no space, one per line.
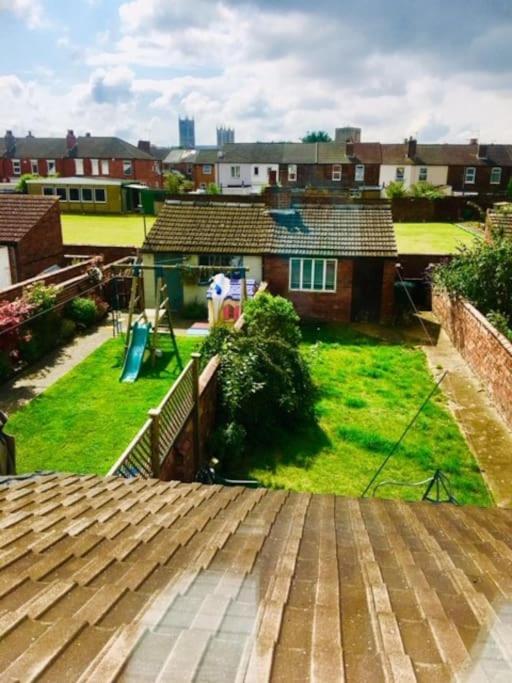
(499,171)
(292,173)
(336,173)
(100,201)
(105,167)
(469,175)
(65,197)
(127,167)
(16,166)
(400,174)
(50,166)
(79,166)
(95,167)
(312,288)
(34,166)
(423,174)
(79,194)
(235,171)
(87,201)
(207,169)
(359,173)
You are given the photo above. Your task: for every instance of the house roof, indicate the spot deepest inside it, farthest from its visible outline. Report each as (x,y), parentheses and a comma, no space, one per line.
(207,156)
(343,230)
(148,580)
(447,155)
(19,213)
(88,147)
(178,155)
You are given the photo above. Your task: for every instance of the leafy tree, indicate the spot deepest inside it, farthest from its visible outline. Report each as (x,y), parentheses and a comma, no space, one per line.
(176,183)
(272,316)
(396,189)
(425,189)
(22,182)
(317,136)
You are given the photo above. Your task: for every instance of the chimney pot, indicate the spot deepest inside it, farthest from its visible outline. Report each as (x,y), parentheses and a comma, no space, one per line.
(87,135)
(10,144)
(411,148)
(482,151)
(349,148)
(473,141)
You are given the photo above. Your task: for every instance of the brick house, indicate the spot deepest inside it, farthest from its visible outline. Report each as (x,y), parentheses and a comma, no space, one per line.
(205,168)
(336,263)
(30,236)
(87,156)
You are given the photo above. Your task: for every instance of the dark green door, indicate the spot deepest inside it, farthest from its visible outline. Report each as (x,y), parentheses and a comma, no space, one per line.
(172,278)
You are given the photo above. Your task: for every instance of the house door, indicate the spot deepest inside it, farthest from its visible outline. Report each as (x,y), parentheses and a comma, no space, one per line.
(173,280)
(5,268)
(272,176)
(367,290)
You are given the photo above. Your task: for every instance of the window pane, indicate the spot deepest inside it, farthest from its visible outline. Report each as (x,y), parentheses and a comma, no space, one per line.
(307,273)
(62,193)
(330,275)
(86,194)
(74,194)
(295,276)
(318,280)
(47,191)
(99,194)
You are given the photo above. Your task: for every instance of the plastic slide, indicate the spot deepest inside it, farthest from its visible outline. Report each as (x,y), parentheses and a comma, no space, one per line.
(135,354)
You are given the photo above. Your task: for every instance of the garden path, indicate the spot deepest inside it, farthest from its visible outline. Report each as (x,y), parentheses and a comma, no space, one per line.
(486,433)
(38,377)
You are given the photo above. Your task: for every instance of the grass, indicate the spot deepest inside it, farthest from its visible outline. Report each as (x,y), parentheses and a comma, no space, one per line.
(125,230)
(367,393)
(431,238)
(85,420)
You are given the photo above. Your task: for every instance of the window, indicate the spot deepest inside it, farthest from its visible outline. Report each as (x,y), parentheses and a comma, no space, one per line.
(34,167)
(292,173)
(256,170)
(318,275)
(16,167)
(400,173)
(95,167)
(423,173)
(62,193)
(470,175)
(496,175)
(127,167)
(74,194)
(105,167)
(235,171)
(48,191)
(50,164)
(79,166)
(336,172)
(359,174)
(86,194)
(219,261)
(100,195)
(207,169)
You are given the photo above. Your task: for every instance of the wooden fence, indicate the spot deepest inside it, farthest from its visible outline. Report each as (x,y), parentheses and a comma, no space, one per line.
(149,448)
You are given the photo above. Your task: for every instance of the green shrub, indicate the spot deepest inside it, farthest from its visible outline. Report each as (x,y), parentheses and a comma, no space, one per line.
(67,329)
(395,188)
(499,321)
(82,311)
(272,315)
(426,190)
(194,311)
(5,366)
(101,308)
(42,297)
(30,348)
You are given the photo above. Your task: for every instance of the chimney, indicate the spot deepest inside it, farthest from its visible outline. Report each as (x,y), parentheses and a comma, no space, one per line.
(411,148)
(482,152)
(349,148)
(10,144)
(29,134)
(71,143)
(473,141)
(87,135)
(144,146)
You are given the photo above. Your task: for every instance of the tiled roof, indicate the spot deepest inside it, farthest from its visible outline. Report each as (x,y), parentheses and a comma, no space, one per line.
(140,580)
(499,221)
(88,147)
(178,155)
(334,231)
(207,156)
(346,230)
(187,227)
(447,155)
(19,213)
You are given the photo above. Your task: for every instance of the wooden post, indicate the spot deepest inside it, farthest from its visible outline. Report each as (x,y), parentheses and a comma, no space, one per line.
(196,418)
(154,414)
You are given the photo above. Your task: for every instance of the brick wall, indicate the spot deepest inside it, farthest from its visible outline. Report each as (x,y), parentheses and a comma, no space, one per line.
(387,302)
(41,247)
(334,306)
(487,352)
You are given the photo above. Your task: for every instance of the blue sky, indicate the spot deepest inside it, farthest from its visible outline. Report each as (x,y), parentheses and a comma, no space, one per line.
(272,69)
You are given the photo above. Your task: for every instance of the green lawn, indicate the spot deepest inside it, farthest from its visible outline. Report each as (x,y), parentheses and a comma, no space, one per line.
(86,419)
(126,230)
(431,238)
(367,393)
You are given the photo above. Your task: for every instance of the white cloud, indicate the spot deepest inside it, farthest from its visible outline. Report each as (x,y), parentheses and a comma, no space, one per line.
(28,11)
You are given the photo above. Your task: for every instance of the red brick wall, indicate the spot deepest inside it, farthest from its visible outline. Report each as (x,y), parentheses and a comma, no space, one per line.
(41,247)
(387,301)
(487,352)
(201,177)
(334,306)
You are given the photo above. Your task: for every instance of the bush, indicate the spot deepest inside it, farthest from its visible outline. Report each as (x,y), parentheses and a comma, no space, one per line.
(425,189)
(67,329)
(272,316)
(396,188)
(5,366)
(102,307)
(194,311)
(499,321)
(40,296)
(82,311)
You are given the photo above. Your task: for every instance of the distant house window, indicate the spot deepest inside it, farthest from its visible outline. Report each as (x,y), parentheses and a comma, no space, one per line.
(16,167)
(292,173)
(336,172)
(127,167)
(496,175)
(256,170)
(48,191)
(34,166)
(95,167)
(100,195)
(74,194)
(235,171)
(400,173)
(86,194)
(423,173)
(470,175)
(313,275)
(207,169)
(62,193)
(79,166)
(359,174)
(50,164)
(105,167)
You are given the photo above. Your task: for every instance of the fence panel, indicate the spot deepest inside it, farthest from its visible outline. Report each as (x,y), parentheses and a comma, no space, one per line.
(136,459)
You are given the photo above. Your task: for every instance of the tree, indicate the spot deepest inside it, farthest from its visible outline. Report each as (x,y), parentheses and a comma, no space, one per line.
(176,183)
(213,188)
(317,136)
(22,182)
(395,189)
(424,189)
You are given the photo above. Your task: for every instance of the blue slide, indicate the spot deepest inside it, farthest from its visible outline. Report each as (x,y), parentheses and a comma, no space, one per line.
(135,354)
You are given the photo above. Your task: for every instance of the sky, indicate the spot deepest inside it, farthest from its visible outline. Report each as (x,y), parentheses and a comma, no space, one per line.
(272,69)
